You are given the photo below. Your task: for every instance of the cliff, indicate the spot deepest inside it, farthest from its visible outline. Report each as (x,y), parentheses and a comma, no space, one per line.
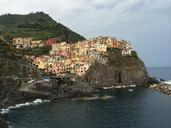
(3,123)
(21,81)
(119,70)
(15,71)
(12,63)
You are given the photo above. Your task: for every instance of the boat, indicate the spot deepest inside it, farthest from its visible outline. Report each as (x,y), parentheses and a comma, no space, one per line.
(132,85)
(106,97)
(123,86)
(107,88)
(130,90)
(118,87)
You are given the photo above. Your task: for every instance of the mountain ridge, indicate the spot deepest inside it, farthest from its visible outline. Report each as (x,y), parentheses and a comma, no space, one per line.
(38,25)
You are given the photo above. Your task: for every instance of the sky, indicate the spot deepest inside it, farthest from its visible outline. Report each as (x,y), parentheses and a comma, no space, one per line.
(146,23)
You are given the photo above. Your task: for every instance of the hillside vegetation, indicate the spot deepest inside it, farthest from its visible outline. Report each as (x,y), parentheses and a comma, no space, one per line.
(13,63)
(7,50)
(37,25)
(37,51)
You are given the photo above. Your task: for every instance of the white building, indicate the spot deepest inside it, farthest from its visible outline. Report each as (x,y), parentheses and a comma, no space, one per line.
(126,48)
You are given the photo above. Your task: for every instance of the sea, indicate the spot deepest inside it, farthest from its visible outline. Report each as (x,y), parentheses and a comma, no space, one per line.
(160,72)
(137,108)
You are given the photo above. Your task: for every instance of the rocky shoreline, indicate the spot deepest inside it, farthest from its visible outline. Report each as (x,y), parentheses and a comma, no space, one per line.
(64,93)
(162,87)
(3,123)
(21,80)
(27,83)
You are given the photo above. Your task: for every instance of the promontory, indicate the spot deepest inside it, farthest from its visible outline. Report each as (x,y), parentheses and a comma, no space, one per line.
(40,58)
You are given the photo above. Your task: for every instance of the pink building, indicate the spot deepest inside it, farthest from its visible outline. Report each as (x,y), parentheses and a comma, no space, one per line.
(52,41)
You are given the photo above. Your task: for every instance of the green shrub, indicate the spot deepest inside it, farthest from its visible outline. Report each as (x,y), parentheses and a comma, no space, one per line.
(38,51)
(134,54)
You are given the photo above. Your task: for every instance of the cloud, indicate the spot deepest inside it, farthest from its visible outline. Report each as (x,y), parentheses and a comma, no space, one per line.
(144,22)
(136,5)
(109,5)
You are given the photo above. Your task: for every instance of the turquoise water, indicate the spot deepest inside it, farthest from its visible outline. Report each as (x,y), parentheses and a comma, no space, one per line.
(142,108)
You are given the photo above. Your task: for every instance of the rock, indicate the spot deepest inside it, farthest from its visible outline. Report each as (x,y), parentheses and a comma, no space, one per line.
(164,88)
(162,80)
(153,85)
(118,70)
(3,123)
(153,80)
(66,87)
(15,71)
(16,87)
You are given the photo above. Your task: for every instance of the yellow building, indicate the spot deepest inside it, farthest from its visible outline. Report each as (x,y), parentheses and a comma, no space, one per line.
(82,68)
(21,43)
(35,43)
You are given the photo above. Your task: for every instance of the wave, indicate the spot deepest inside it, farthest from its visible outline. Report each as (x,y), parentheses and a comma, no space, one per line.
(86,98)
(106,97)
(35,102)
(94,98)
(167,82)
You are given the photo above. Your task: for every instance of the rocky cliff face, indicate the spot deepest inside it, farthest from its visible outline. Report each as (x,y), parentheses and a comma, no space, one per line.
(3,123)
(119,70)
(15,71)
(13,64)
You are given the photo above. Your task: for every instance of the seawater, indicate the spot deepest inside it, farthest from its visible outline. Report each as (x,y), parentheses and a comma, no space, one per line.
(35,102)
(164,73)
(140,108)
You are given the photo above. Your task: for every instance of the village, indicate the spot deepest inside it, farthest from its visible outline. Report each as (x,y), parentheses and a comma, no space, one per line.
(72,58)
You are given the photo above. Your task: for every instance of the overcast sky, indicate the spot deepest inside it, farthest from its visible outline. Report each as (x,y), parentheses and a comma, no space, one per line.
(146,23)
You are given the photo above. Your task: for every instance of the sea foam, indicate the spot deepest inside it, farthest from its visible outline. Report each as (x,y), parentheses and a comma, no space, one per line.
(94,98)
(35,102)
(167,82)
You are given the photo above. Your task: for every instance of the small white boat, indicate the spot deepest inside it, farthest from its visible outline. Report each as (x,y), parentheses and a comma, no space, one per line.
(106,88)
(123,86)
(118,87)
(132,86)
(130,90)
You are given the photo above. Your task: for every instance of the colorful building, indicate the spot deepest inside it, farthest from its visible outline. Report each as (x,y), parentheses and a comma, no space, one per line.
(21,43)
